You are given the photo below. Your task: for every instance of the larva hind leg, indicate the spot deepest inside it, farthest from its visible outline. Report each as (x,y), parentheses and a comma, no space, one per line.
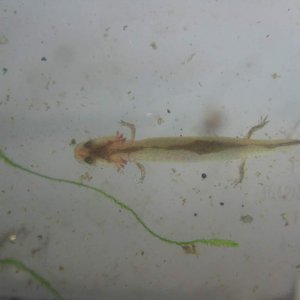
(262,122)
(142,170)
(241,173)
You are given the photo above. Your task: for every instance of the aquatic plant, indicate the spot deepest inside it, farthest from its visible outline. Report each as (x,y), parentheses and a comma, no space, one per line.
(210,242)
(37,277)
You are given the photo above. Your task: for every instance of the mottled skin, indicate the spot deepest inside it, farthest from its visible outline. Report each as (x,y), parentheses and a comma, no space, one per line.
(116,150)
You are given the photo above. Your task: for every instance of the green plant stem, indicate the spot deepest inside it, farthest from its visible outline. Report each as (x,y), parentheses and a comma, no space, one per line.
(42,281)
(211,242)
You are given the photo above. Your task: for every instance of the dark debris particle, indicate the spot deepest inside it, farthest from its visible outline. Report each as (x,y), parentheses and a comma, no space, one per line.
(246,219)
(43,58)
(189,249)
(195,214)
(4,70)
(72,142)
(203,175)
(153,46)
(222,203)
(168,111)
(61,268)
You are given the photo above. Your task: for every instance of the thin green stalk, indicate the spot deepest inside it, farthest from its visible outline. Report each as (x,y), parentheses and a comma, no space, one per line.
(42,281)
(211,242)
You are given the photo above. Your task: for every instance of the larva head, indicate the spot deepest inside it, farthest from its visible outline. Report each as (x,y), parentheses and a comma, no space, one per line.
(94,151)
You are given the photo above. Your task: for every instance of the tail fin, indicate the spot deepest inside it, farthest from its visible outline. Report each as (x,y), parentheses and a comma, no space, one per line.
(281,143)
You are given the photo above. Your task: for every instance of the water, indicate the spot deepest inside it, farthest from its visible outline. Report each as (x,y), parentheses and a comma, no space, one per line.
(72,71)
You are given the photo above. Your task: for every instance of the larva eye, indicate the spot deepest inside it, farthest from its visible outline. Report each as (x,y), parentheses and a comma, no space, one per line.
(88,145)
(88,160)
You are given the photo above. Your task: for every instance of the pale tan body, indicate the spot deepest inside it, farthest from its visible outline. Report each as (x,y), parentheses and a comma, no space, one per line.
(118,151)
(169,149)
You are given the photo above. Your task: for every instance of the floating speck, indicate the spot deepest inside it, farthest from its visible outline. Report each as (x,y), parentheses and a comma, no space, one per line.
(246,219)
(72,142)
(106,34)
(160,120)
(190,57)
(153,45)
(86,177)
(43,58)
(47,106)
(203,175)
(285,219)
(12,237)
(3,40)
(61,268)
(189,249)
(4,71)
